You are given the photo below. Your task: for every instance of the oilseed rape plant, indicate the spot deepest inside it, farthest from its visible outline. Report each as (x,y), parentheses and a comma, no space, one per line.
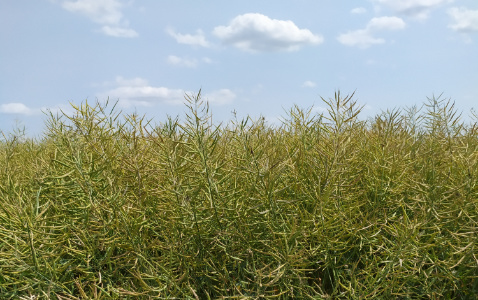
(109,205)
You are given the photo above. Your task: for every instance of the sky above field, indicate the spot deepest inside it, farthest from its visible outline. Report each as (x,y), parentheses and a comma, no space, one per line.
(255,58)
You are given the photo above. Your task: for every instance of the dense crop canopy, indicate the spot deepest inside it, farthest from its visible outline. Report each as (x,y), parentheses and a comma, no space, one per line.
(110,206)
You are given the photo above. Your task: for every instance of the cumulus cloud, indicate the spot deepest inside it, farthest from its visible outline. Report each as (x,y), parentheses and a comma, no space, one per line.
(16,108)
(364,38)
(138,92)
(197,39)
(385,23)
(99,11)
(118,31)
(220,97)
(358,10)
(419,9)
(255,32)
(361,38)
(104,12)
(184,62)
(309,84)
(464,20)
(187,62)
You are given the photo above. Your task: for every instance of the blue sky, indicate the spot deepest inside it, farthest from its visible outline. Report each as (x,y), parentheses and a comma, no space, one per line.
(252,57)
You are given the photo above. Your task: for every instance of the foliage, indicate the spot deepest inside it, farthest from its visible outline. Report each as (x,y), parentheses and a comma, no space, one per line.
(110,206)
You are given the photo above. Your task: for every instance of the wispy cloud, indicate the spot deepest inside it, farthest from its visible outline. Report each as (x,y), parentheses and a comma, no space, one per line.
(17,108)
(364,38)
(104,12)
(187,62)
(180,61)
(255,32)
(385,23)
(358,10)
(419,9)
(464,20)
(197,39)
(119,32)
(220,97)
(139,92)
(309,84)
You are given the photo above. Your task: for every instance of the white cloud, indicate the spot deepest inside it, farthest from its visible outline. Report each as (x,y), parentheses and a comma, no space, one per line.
(255,32)
(358,10)
(385,23)
(184,62)
(309,84)
(220,97)
(464,20)
(16,108)
(363,38)
(360,38)
(99,11)
(119,32)
(419,9)
(105,12)
(197,39)
(138,92)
